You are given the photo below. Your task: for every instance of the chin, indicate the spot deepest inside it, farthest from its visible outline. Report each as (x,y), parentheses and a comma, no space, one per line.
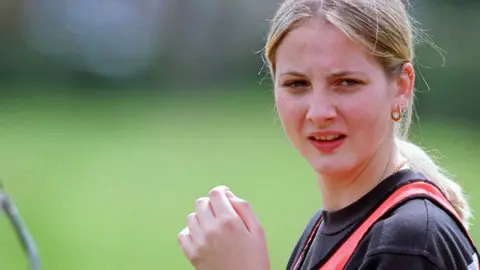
(333,165)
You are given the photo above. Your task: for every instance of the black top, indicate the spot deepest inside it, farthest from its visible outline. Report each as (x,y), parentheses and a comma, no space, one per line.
(417,234)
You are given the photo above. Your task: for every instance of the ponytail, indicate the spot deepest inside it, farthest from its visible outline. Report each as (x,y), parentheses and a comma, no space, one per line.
(419,161)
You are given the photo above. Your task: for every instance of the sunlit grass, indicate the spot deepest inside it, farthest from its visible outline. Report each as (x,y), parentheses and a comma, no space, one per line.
(108,184)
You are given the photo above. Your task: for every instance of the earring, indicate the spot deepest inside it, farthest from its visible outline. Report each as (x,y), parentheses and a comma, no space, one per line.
(395,114)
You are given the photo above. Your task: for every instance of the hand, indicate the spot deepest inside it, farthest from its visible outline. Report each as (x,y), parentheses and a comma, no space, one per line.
(224,234)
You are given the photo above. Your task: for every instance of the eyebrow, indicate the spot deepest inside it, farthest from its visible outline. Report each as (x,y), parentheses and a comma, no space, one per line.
(335,74)
(293,73)
(347,72)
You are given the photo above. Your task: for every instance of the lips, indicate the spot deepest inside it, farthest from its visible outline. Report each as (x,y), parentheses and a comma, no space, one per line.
(330,137)
(327,142)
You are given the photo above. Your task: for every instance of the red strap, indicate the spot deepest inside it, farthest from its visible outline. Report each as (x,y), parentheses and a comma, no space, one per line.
(342,255)
(308,242)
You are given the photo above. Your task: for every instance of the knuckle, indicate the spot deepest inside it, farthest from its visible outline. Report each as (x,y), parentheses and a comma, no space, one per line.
(182,235)
(211,233)
(200,242)
(201,201)
(191,217)
(229,223)
(214,193)
(243,203)
(258,230)
(217,191)
(193,253)
(195,258)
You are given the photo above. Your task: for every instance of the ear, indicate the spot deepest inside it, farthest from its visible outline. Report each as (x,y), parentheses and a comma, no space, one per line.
(405,82)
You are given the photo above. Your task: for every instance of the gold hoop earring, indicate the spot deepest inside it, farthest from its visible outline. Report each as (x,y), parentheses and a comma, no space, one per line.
(396,114)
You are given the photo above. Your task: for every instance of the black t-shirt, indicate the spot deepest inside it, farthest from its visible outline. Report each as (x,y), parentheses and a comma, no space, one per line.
(416,235)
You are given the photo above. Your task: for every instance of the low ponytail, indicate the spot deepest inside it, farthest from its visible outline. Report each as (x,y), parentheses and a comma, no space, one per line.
(420,161)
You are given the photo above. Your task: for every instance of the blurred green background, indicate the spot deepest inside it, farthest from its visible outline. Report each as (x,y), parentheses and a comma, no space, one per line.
(117,115)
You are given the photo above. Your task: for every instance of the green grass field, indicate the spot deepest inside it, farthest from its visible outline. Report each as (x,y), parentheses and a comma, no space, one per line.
(108,184)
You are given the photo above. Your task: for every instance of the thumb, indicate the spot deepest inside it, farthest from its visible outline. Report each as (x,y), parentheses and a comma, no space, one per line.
(245,212)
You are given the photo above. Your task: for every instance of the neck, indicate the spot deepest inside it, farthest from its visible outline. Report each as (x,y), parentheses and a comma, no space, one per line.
(341,191)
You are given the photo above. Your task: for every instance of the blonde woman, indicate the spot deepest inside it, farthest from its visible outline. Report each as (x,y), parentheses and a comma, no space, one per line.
(344,90)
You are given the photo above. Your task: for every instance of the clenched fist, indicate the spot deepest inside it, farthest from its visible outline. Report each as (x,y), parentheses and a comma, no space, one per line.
(224,234)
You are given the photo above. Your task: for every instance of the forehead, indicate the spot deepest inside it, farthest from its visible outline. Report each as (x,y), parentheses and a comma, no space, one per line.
(320,46)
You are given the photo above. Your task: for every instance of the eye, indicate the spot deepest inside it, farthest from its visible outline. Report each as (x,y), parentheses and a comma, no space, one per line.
(295,83)
(348,82)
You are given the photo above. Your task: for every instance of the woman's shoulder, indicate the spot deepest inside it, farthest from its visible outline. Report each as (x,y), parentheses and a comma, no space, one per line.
(303,238)
(420,227)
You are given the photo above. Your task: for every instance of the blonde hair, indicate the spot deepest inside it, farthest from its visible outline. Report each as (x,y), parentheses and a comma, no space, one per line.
(386,29)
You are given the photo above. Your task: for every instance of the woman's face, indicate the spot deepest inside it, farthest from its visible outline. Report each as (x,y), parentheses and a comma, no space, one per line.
(333,98)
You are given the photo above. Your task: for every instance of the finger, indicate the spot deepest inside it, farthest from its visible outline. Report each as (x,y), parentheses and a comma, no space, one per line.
(204,212)
(194,228)
(185,241)
(222,207)
(246,213)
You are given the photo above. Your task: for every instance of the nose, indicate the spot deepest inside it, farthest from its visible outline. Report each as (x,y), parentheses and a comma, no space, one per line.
(322,109)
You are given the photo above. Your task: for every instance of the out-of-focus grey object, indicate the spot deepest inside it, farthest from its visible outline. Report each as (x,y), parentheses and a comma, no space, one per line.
(110,37)
(28,244)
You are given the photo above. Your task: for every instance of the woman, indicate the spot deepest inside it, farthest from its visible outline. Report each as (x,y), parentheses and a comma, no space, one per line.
(344,81)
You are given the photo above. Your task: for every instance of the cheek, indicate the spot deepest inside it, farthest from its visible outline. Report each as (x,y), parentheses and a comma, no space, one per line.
(291,113)
(368,116)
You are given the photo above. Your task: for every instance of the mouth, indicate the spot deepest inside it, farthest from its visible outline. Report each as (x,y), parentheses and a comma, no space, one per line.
(327,138)
(327,143)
